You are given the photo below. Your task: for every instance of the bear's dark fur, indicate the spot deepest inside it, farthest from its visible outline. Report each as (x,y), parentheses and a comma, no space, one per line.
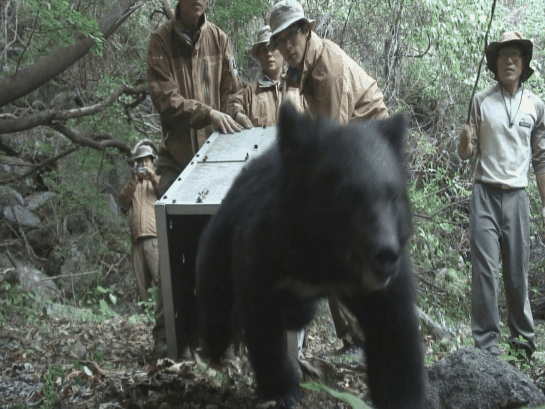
(323,211)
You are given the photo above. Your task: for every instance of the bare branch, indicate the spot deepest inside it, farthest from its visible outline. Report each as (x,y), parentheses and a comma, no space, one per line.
(94,109)
(26,122)
(106,141)
(46,117)
(38,167)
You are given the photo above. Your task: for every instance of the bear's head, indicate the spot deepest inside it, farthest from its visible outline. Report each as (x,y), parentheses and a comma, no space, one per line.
(346,190)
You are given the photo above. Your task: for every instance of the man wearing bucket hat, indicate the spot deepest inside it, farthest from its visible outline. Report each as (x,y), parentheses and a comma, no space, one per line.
(506,133)
(262,98)
(195,88)
(333,83)
(139,195)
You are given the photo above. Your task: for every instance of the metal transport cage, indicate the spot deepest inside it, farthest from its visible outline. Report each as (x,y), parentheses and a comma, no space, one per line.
(183,211)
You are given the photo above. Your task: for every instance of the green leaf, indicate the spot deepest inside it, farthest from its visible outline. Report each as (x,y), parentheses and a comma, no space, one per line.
(346,397)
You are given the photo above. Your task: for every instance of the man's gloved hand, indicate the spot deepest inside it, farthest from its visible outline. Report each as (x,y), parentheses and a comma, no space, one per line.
(243,120)
(223,122)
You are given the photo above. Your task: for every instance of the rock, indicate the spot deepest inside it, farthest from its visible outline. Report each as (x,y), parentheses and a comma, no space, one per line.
(43,239)
(112,204)
(20,215)
(11,166)
(77,223)
(474,379)
(30,281)
(9,197)
(38,199)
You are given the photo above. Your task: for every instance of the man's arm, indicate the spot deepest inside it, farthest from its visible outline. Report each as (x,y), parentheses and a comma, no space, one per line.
(165,90)
(540,179)
(231,91)
(538,150)
(170,103)
(127,193)
(465,145)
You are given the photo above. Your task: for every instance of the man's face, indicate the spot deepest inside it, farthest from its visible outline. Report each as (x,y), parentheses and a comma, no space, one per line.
(193,8)
(292,43)
(271,60)
(510,63)
(146,161)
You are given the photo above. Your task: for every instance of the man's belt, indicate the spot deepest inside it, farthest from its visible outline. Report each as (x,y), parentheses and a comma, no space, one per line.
(501,186)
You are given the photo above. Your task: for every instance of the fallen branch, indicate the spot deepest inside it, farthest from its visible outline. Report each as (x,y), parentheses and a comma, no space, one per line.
(70,275)
(437,330)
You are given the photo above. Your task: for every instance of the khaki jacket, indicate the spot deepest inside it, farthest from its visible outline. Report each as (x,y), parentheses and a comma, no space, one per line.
(335,85)
(139,197)
(188,78)
(262,99)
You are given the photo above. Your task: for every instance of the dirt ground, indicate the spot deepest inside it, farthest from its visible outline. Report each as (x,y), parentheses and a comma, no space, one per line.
(55,361)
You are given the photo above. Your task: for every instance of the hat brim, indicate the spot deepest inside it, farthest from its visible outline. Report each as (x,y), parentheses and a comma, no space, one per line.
(272,41)
(492,56)
(256,46)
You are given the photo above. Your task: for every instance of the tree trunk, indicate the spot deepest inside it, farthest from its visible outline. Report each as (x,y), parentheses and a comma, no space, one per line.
(20,84)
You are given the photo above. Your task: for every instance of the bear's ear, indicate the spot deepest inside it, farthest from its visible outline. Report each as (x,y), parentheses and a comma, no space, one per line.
(293,130)
(394,130)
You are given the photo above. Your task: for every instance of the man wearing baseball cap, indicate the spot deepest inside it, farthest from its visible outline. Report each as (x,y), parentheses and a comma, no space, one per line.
(139,195)
(333,83)
(262,98)
(505,134)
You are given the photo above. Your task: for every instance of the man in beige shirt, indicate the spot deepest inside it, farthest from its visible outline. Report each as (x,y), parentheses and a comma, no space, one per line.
(506,133)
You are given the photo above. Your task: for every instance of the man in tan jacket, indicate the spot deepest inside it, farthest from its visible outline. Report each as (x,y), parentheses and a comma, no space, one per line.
(194,85)
(333,85)
(262,98)
(139,195)
(195,88)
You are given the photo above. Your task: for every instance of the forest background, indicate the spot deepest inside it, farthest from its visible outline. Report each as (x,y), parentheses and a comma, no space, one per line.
(73,102)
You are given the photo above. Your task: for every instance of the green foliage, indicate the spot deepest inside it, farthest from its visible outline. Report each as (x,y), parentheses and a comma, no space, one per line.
(17,302)
(241,20)
(346,397)
(56,22)
(149,304)
(54,373)
(96,299)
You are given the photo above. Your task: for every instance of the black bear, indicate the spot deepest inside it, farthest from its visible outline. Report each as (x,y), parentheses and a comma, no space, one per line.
(323,211)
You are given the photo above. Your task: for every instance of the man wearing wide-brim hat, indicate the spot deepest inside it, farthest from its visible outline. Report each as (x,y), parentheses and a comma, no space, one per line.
(333,83)
(262,98)
(506,133)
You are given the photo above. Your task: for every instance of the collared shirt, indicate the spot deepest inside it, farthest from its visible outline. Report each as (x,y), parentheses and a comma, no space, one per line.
(262,99)
(504,152)
(335,85)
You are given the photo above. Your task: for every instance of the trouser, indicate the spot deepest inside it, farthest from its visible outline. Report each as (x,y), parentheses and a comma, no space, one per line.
(499,224)
(346,325)
(145,262)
